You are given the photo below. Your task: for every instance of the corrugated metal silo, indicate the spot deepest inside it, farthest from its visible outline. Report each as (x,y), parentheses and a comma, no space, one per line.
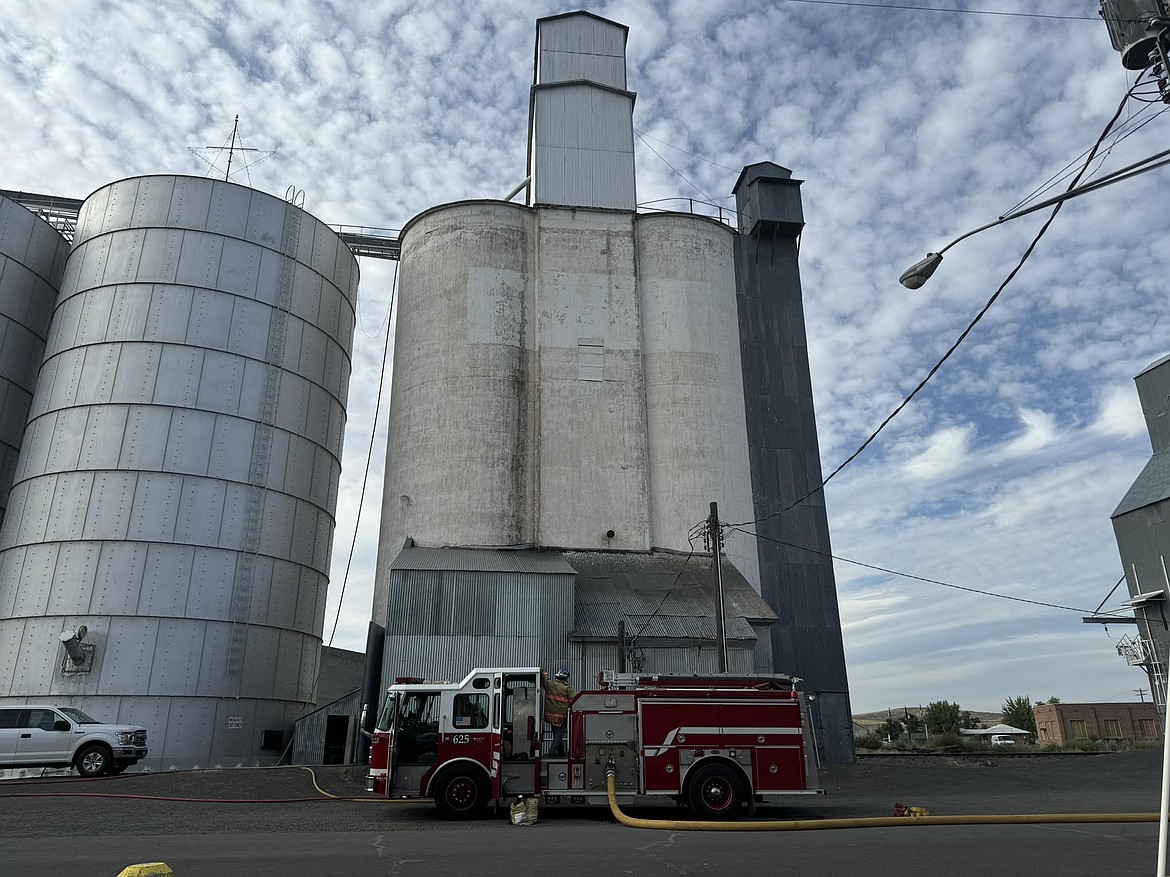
(178,483)
(32,260)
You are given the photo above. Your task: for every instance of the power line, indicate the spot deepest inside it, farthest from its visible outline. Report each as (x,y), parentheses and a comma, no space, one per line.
(369,456)
(685,152)
(672,167)
(940,9)
(907,575)
(962,335)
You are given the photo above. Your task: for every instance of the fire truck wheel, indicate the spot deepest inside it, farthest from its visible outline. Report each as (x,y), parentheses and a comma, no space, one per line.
(460,794)
(716,792)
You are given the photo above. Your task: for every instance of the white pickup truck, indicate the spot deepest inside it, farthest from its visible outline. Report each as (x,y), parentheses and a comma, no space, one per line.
(39,735)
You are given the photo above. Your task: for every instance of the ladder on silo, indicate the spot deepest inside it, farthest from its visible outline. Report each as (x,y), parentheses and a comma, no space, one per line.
(243,586)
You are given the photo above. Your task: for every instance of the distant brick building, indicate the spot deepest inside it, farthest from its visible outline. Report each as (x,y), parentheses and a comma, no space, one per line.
(1070,722)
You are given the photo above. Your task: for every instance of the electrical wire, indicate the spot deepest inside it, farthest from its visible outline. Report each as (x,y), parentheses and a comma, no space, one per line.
(691,541)
(685,152)
(962,335)
(369,457)
(907,575)
(940,9)
(673,168)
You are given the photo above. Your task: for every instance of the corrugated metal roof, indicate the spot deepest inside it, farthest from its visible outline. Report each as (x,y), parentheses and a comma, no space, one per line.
(1152,485)
(660,596)
(481,560)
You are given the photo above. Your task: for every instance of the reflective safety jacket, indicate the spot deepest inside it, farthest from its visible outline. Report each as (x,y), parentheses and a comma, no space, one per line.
(557,695)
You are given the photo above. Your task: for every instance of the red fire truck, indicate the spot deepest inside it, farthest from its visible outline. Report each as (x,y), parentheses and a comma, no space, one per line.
(712,742)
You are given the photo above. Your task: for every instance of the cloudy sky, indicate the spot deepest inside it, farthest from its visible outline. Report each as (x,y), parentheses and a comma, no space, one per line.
(909,126)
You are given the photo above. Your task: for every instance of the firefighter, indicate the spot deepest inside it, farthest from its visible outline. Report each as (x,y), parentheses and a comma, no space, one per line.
(557,695)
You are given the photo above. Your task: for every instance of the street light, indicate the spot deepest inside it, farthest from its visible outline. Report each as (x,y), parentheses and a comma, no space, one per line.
(918,273)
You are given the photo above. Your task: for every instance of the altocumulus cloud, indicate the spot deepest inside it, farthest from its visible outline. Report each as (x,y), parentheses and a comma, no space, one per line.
(909,128)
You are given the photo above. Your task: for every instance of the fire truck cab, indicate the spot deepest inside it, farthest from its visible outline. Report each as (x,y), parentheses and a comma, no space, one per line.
(711,742)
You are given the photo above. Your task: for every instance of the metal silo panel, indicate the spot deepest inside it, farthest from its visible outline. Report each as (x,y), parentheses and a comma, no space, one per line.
(228,210)
(177,381)
(189,442)
(199,259)
(71,594)
(288,659)
(131,307)
(231,530)
(213,571)
(239,268)
(166,579)
(220,382)
(144,443)
(249,329)
(101,445)
(68,434)
(216,637)
(127,653)
(120,206)
(263,648)
(169,317)
(70,500)
(138,368)
(175,663)
(118,581)
(10,638)
(156,507)
(96,384)
(190,203)
(230,435)
(211,319)
(154,201)
(188,737)
(277,529)
(122,261)
(265,221)
(108,514)
(201,503)
(159,260)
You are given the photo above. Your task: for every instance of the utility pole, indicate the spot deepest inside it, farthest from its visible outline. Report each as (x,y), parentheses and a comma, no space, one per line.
(715,537)
(1141,693)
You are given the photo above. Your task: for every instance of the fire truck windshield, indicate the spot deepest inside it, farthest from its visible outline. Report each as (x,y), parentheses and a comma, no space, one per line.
(386,714)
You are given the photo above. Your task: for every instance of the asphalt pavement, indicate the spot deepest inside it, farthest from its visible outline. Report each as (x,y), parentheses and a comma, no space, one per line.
(96,827)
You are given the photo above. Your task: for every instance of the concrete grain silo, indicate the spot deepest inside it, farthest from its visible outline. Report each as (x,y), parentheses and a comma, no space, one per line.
(575,380)
(32,261)
(177,487)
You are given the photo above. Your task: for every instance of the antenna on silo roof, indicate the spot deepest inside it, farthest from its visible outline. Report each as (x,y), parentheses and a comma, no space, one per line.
(233,145)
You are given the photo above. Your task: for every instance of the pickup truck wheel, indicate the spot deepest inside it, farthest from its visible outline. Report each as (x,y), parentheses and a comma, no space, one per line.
(94,760)
(716,792)
(460,794)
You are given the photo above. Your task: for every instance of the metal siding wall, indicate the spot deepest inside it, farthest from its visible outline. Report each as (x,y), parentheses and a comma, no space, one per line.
(144,425)
(584,148)
(581,47)
(785,464)
(32,263)
(309,735)
(525,619)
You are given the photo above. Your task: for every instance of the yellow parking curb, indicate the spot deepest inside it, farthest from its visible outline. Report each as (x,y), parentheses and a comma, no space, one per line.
(148,869)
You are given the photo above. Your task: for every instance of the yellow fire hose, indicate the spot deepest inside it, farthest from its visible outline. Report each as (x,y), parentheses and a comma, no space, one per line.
(866,822)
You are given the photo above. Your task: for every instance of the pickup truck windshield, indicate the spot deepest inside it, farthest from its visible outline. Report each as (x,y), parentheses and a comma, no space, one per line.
(78,716)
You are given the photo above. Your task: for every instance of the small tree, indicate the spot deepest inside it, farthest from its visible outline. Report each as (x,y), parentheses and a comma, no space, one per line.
(966,720)
(1017,711)
(942,717)
(912,723)
(891,728)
